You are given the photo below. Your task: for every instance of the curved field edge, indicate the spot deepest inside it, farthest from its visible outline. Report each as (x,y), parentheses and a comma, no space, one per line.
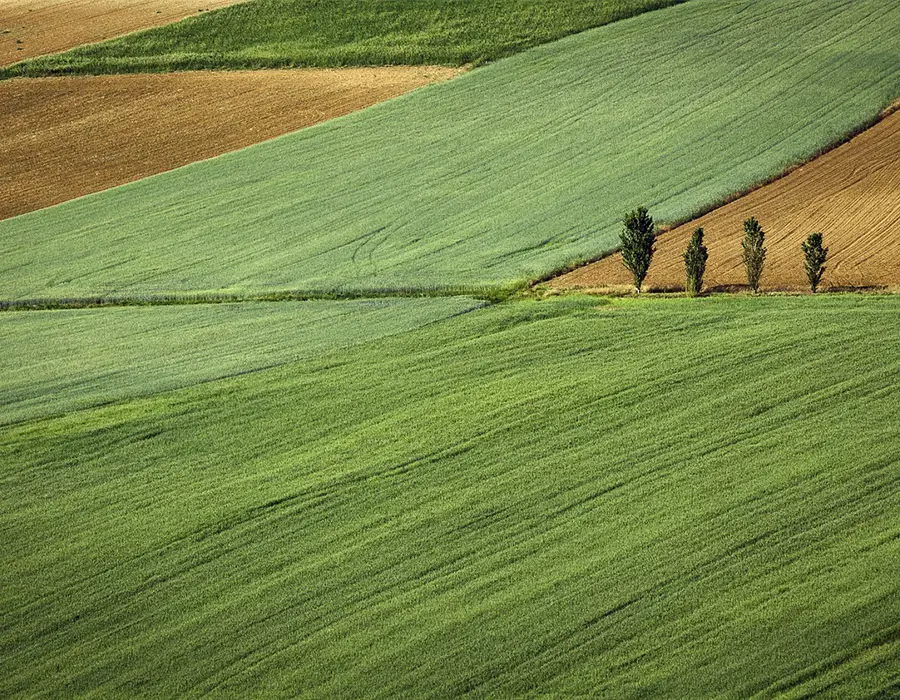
(293,33)
(501,175)
(55,363)
(570,497)
(30,28)
(849,194)
(68,137)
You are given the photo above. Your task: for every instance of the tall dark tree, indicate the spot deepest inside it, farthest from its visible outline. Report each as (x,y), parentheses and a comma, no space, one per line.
(754,251)
(815,256)
(695,263)
(638,239)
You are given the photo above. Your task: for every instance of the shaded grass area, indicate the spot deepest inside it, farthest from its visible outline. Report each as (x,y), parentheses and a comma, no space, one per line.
(58,361)
(631,498)
(499,176)
(291,33)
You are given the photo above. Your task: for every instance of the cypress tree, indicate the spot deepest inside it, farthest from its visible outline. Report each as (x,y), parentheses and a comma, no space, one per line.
(815,256)
(638,239)
(695,263)
(754,251)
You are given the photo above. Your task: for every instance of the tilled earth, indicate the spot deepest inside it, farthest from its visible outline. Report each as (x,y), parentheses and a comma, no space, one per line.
(30,28)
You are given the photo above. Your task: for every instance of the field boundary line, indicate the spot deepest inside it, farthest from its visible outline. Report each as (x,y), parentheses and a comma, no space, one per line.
(488,294)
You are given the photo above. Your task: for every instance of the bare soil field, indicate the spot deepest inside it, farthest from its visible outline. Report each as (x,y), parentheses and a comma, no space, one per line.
(62,138)
(31,28)
(851,195)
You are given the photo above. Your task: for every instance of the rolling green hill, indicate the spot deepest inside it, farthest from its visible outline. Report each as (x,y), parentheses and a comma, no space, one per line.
(288,33)
(501,175)
(56,361)
(644,498)
(427,497)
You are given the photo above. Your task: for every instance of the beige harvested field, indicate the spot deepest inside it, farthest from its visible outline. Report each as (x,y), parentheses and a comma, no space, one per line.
(31,28)
(851,195)
(66,137)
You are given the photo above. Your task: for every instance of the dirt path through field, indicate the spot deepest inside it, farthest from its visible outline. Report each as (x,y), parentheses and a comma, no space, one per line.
(31,28)
(66,137)
(851,194)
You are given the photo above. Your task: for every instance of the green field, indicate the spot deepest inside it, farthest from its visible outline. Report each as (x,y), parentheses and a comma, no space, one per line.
(290,33)
(433,496)
(501,175)
(126,352)
(641,498)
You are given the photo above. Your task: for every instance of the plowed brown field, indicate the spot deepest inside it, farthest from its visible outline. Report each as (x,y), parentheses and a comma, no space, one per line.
(31,28)
(851,194)
(66,137)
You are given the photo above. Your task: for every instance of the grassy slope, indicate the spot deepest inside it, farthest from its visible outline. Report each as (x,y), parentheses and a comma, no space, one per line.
(647,499)
(502,174)
(286,33)
(55,361)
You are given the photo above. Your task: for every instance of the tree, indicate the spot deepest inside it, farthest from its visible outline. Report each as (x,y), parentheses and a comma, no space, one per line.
(815,256)
(754,255)
(638,238)
(695,263)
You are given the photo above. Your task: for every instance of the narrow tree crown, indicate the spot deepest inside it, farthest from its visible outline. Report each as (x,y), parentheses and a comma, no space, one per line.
(637,240)
(695,263)
(754,251)
(815,256)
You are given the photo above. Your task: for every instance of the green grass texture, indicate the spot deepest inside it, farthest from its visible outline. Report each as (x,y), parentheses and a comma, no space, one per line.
(661,498)
(125,352)
(290,33)
(502,175)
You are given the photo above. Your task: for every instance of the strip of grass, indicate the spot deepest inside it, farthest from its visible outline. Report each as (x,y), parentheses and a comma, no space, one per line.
(290,33)
(663,498)
(492,294)
(57,361)
(501,175)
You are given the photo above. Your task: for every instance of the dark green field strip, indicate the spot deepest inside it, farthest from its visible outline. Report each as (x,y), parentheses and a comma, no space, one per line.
(57,361)
(290,33)
(485,293)
(503,174)
(645,498)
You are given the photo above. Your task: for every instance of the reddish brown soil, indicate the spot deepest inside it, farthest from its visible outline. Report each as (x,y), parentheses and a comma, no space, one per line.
(66,137)
(31,28)
(851,195)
